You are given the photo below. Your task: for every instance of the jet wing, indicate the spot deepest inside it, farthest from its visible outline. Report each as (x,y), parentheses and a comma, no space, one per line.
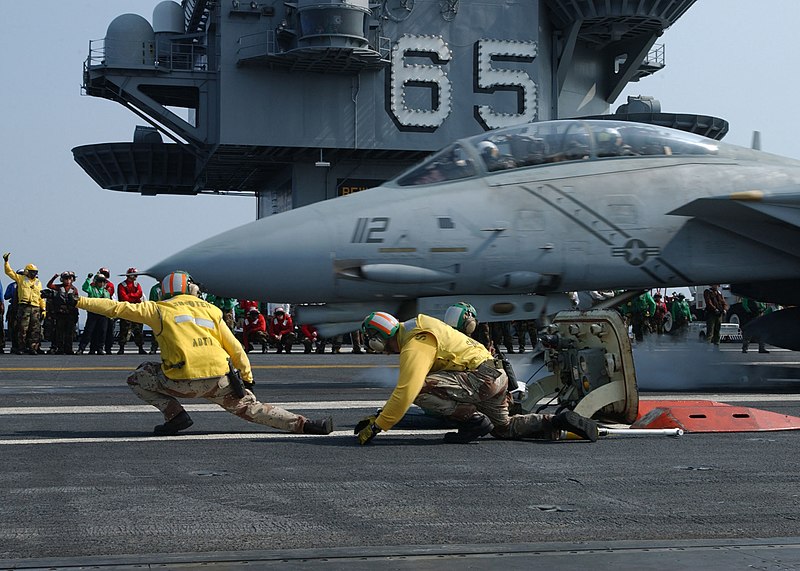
(772,219)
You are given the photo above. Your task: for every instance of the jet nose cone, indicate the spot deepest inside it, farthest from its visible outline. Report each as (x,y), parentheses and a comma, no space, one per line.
(284,257)
(203,261)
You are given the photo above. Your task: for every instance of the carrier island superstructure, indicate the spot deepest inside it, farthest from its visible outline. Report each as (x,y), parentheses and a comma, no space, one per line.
(297,102)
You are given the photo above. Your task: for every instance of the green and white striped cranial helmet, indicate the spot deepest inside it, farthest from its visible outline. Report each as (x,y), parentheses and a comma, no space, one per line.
(378,327)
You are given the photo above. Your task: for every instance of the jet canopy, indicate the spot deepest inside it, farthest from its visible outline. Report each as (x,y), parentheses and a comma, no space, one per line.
(550,142)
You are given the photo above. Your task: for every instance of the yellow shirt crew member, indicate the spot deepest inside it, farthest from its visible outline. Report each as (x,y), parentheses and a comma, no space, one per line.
(454,377)
(200,342)
(30,308)
(427,345)
(29,290)
(196,346)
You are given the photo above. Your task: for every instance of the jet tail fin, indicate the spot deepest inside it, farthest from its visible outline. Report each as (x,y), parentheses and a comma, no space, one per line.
(756,145)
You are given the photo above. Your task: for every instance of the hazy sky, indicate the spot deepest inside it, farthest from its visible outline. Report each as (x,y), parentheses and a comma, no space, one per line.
(734,59)
(54,215)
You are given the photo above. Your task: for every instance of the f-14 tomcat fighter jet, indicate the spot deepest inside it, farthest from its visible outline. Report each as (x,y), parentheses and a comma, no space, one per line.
(509,218)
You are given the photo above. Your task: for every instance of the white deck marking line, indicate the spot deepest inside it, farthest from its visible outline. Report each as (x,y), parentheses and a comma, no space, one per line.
(290,405)
(139,408)
(769,363)
(189,436)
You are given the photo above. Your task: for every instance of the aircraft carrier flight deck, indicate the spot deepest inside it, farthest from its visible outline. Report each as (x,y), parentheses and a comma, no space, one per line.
(86,483)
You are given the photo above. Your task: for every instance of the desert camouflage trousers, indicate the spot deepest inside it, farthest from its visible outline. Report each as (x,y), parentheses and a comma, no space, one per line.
(128,329)
(458,394)
(28,328)
(150,384)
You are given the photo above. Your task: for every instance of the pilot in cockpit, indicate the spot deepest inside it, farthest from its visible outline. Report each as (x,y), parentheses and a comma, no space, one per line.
(609,143)
(492,157)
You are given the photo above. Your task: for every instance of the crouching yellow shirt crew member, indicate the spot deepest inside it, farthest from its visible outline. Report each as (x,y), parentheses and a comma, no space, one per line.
(196,345)
(451,375)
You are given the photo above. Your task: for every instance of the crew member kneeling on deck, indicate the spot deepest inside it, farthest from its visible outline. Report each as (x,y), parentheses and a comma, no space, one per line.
(197,349)
(449,374)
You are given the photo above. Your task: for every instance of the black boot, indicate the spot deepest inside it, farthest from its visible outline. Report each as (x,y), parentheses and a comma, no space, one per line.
(571,421)
(321,426)
(178,423)
(473,428)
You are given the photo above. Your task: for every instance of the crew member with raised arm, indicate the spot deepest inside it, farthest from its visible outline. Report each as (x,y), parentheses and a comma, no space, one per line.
(200,357)
(30,308)
(65,317)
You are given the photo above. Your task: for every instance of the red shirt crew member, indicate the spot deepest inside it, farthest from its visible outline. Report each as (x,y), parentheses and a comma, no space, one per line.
(130,291)
(281,330)
(310,336)
(255,328)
